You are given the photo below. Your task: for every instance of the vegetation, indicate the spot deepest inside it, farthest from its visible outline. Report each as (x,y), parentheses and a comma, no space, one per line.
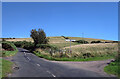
(59,39)
(81,41)
(8,49)
(113,68)
(39,36)
(65,58)
(5,67)
(96,42)
(25,44)
(84,52)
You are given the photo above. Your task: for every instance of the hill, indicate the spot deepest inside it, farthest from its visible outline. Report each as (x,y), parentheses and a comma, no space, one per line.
(59,41)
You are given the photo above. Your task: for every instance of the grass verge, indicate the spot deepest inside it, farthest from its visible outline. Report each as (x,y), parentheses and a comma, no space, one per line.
(5,67)
(73,59)
(113,68)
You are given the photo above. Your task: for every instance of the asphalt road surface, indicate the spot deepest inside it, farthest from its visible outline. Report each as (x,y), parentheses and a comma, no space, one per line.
(29,65)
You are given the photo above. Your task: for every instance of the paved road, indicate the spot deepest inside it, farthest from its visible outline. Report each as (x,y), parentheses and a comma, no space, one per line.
(33,66)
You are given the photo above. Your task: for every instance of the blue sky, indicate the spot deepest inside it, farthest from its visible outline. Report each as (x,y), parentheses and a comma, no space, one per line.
(95,20)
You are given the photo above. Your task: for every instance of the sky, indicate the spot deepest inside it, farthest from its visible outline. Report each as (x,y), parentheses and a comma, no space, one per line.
(93,19)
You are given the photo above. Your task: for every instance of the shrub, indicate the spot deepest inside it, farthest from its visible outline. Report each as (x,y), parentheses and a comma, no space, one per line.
(18,43)
(7,47)
(87,55)
(28,45)
(96,42)
(25,44)
(82,41)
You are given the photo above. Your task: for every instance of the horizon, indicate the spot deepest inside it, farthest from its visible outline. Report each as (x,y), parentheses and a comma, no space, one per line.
(98,20)
(61,36)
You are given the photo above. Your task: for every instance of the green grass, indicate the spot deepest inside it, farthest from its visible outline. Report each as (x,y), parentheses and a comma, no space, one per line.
(73,59)
(5,67)
(9,53)
(113,68)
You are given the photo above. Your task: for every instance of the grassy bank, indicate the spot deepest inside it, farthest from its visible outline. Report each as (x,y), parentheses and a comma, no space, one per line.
(83,52)
(5,67)
(7,49)
(72,59)
(6,53)
(113,68)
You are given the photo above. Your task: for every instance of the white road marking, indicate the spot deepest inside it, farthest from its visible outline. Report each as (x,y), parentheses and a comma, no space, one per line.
(24,53)
(51,73)
(38,64)
(28,58)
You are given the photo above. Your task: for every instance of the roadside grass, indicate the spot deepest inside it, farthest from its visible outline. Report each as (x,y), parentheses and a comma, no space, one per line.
(5,53)
(94,50)
(5,67)
(0,68)
(73,59)
(83,52)
(113,68)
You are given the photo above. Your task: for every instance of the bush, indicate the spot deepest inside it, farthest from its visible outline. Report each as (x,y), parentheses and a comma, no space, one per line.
(18,43)
(82,41)
(25,44)
(39,36)
(7,47)
(96,42)
(87,55)
(28,45)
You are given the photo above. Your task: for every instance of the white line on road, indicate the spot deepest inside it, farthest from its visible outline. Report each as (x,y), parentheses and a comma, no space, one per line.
(24,53)
(51,73)
(28,58)
(38,64)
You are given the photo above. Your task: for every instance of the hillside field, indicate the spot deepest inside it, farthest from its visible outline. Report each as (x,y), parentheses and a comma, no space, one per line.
(60,41)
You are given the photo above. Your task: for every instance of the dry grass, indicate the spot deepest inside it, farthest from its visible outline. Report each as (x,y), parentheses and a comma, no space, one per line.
(89,39)
(83,51)
(95,49)
(56,40)
(20,39)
